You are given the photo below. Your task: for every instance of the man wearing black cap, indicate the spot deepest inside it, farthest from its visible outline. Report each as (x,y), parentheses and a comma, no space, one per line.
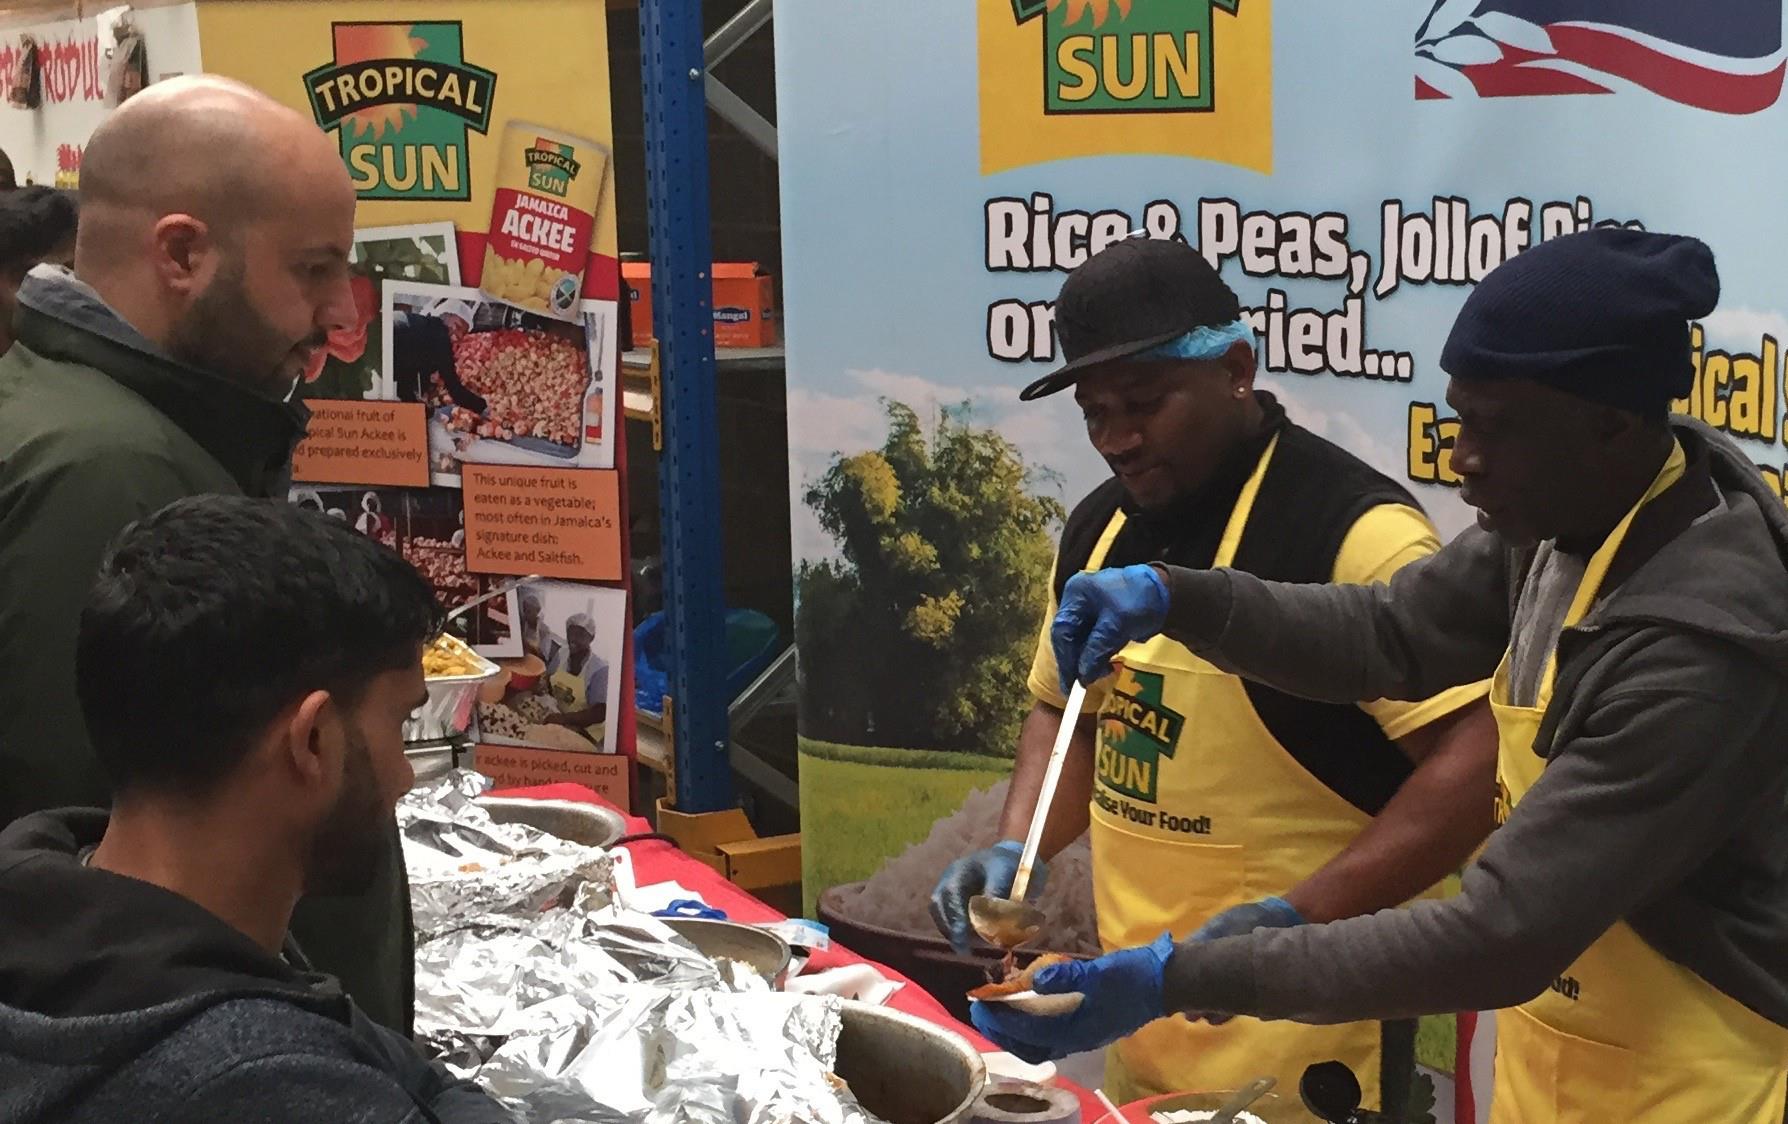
(1217,806)
(1627,586)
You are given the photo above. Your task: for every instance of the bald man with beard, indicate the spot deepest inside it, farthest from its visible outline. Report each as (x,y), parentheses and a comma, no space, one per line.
(212,258)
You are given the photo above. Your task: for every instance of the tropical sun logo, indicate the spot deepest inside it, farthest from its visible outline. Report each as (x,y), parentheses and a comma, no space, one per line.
(1100,10)
(364,42)
(1125,56)
(1137,733)
(1068,79)
(401,98)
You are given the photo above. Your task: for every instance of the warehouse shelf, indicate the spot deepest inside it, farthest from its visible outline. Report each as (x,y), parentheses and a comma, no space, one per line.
(642,385)
(672,385)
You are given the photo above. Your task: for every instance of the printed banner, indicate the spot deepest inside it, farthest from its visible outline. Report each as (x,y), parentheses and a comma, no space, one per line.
(1353,170)
(419,96)
(45,143)
(480,376)
(436,374)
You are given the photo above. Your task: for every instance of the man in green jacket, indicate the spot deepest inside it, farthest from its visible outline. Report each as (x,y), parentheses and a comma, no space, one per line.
(211,260)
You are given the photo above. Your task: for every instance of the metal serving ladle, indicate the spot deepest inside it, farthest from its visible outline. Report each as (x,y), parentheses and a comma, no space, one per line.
(1011,922)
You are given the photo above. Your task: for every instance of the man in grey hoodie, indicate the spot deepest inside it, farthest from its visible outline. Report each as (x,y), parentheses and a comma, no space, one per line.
(245,668)
(210,264)
(1627,586)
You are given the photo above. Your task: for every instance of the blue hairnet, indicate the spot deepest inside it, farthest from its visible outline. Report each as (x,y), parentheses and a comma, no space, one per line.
(1203,342)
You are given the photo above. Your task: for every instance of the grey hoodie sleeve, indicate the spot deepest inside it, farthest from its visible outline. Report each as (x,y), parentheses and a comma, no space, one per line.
(1442,621)
(1679,749)
(452,1100)
(311,1089)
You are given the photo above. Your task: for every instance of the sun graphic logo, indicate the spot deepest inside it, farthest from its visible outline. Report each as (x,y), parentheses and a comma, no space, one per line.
(401,98)
(1067,78)
(551,166)
(1125,56)
(1137,731)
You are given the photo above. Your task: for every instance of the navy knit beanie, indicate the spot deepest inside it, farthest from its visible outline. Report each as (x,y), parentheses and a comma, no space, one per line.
(1602,315)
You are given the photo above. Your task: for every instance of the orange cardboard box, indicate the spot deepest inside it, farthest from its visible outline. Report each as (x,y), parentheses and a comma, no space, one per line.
(744,303)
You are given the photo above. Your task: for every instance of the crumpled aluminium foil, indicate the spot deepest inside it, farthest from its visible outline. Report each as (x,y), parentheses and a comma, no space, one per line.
(646,1055)
(589,1013)
(464,866)
(482,978)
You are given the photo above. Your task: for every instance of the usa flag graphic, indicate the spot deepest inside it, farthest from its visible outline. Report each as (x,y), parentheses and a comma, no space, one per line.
(1720,55)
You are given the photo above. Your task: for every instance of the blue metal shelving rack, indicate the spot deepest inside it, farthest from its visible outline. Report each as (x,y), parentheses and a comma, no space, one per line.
(689,470)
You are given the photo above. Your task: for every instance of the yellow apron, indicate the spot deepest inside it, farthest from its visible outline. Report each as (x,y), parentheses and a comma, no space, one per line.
(1625,1034)
(568,688)
(1187,825)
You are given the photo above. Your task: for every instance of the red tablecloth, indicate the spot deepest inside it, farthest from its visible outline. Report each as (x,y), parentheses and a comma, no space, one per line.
(657,861)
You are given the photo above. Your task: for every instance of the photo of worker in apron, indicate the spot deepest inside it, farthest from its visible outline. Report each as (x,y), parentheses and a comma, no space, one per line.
(580,685)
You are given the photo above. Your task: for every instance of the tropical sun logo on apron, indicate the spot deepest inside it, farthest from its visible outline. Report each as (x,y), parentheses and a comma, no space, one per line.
(1136,732)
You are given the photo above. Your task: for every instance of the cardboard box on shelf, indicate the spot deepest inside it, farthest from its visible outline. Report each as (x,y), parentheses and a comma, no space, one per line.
(744,304)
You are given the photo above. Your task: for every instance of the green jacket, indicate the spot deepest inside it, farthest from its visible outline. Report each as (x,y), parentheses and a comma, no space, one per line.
(99,427)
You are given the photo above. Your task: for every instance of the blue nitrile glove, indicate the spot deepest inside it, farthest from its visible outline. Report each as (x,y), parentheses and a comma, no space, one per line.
(1239,921)
(989,871)
(1100,613)
(1123,994)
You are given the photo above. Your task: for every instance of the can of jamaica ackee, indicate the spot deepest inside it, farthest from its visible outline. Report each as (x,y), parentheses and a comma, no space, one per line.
(549,187)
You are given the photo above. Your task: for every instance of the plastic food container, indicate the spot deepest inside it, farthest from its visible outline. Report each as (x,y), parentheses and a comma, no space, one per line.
(452,701)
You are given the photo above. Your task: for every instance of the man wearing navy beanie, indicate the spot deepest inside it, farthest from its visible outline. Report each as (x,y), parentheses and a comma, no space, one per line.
(1627,588)
(1602,316)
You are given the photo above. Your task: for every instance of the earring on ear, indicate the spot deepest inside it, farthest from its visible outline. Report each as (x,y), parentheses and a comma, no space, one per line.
(1241,392)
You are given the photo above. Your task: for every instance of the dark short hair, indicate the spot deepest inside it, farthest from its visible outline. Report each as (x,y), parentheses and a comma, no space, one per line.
(215,613)
(34,221)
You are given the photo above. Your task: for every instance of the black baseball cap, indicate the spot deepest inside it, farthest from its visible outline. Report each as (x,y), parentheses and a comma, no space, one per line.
(1132,296)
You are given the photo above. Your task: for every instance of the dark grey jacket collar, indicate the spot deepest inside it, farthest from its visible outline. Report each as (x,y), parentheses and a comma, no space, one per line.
(61,318)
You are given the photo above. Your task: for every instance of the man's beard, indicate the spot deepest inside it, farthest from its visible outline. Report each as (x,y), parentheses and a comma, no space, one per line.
(221,333)
(350,843)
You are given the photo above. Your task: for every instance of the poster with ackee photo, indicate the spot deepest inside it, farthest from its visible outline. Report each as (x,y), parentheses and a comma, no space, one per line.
(351,364)
(496,168)
(503,385)
(426,526)
(435,543)
(568,684)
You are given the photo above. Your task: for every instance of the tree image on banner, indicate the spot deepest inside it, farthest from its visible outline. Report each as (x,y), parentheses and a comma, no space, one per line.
(921,634)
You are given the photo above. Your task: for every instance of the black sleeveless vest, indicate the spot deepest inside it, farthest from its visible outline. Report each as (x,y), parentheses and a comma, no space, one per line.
(1311,496)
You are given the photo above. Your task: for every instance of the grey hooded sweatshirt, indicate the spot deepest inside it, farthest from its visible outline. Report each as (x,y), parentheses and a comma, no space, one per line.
(98,428)
(1664,799)
(122,1001)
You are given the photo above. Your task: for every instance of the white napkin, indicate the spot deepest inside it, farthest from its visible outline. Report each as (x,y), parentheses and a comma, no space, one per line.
(1001,1064)
(659,895)
(853,981)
